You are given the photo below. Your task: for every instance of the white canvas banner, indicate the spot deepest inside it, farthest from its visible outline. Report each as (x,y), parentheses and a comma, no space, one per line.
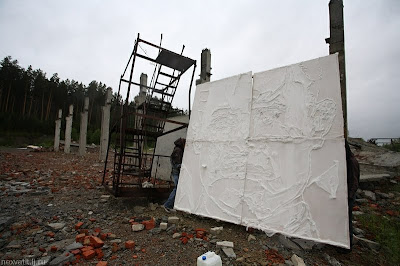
(267,151)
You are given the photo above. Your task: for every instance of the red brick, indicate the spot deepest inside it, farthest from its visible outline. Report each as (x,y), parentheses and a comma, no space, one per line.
(78,225)
(149,224)
(92,220)
(102,263)
(135,256)
(80,238)
(96,242)
(86,248)
(115,247)
(129,244)
(200,234)
(89,254)
(42,250)
(100,255)
(184,240)
(143,250)
(53,248)
(75,251)
(103,236)
(84,231)
(50,234)
(113,257)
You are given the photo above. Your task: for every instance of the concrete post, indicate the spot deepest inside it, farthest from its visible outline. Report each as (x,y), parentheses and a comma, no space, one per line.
(336,45)
(205,69)
(105,125)
(141,98)
(83,133)
(58,131)
(68,129)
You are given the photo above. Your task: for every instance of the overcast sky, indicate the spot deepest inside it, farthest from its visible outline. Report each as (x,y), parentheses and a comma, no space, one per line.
(92,40)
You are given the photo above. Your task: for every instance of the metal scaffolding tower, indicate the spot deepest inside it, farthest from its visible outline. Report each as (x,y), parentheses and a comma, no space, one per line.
(141,125)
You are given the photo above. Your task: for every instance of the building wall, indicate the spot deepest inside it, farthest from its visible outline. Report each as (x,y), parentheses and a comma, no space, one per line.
(165,145)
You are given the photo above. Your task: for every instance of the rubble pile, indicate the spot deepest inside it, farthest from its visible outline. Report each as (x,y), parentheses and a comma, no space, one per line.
(54,211)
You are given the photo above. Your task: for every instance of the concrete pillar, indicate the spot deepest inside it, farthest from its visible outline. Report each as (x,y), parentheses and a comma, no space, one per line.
(83,133)
(68,129)
(205,69)
(105,125)
(336,45)
(57,132)
(141,98)
(143,81)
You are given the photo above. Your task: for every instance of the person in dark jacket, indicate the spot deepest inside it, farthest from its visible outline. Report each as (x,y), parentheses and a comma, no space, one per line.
(353,179)
(176,162)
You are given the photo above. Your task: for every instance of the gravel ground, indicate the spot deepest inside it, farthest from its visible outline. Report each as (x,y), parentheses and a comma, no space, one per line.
(44,195)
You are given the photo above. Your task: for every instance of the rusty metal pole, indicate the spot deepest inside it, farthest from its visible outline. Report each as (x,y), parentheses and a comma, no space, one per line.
(336,45)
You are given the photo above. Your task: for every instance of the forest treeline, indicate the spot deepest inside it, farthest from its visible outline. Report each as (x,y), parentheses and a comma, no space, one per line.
(29,100)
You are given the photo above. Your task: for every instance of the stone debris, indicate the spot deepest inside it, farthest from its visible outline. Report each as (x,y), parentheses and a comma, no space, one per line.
(297,261)
(229,252)
(288,243)
(153,206)
(331,260)
(216,230)
(163,226)
(369,194)
(137,227)
(226,244)
(139,209)
(176,235)
(56,226)
(251,238)
(63,258)
(307,244)
(356,213)
(367,243)
(173,220)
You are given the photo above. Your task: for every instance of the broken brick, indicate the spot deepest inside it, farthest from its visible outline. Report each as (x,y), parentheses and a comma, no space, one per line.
(184,240)
(115,247)
(150,224)
(50,234)
(78,225)
(143,250)
(97,230)
(89,254)
(100,255)
(103,236)
(42,250)
(53,248)
(92,220)
(135,256)
(129,244)
(96,242)
(102,263)
(84,249)
(75,251)
(200,234)
(113,257)
(84,231)
(80,238)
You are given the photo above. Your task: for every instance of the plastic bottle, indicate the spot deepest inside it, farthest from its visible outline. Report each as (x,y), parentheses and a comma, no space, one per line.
(209,259)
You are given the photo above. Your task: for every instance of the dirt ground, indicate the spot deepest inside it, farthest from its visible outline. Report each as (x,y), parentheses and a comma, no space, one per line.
(44,195)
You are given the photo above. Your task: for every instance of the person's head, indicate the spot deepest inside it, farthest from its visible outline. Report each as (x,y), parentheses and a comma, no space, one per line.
(180,142)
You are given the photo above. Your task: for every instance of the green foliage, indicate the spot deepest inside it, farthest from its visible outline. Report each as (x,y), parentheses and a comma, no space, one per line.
(74,134)
(93,136)
(394,146)
(387,232)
